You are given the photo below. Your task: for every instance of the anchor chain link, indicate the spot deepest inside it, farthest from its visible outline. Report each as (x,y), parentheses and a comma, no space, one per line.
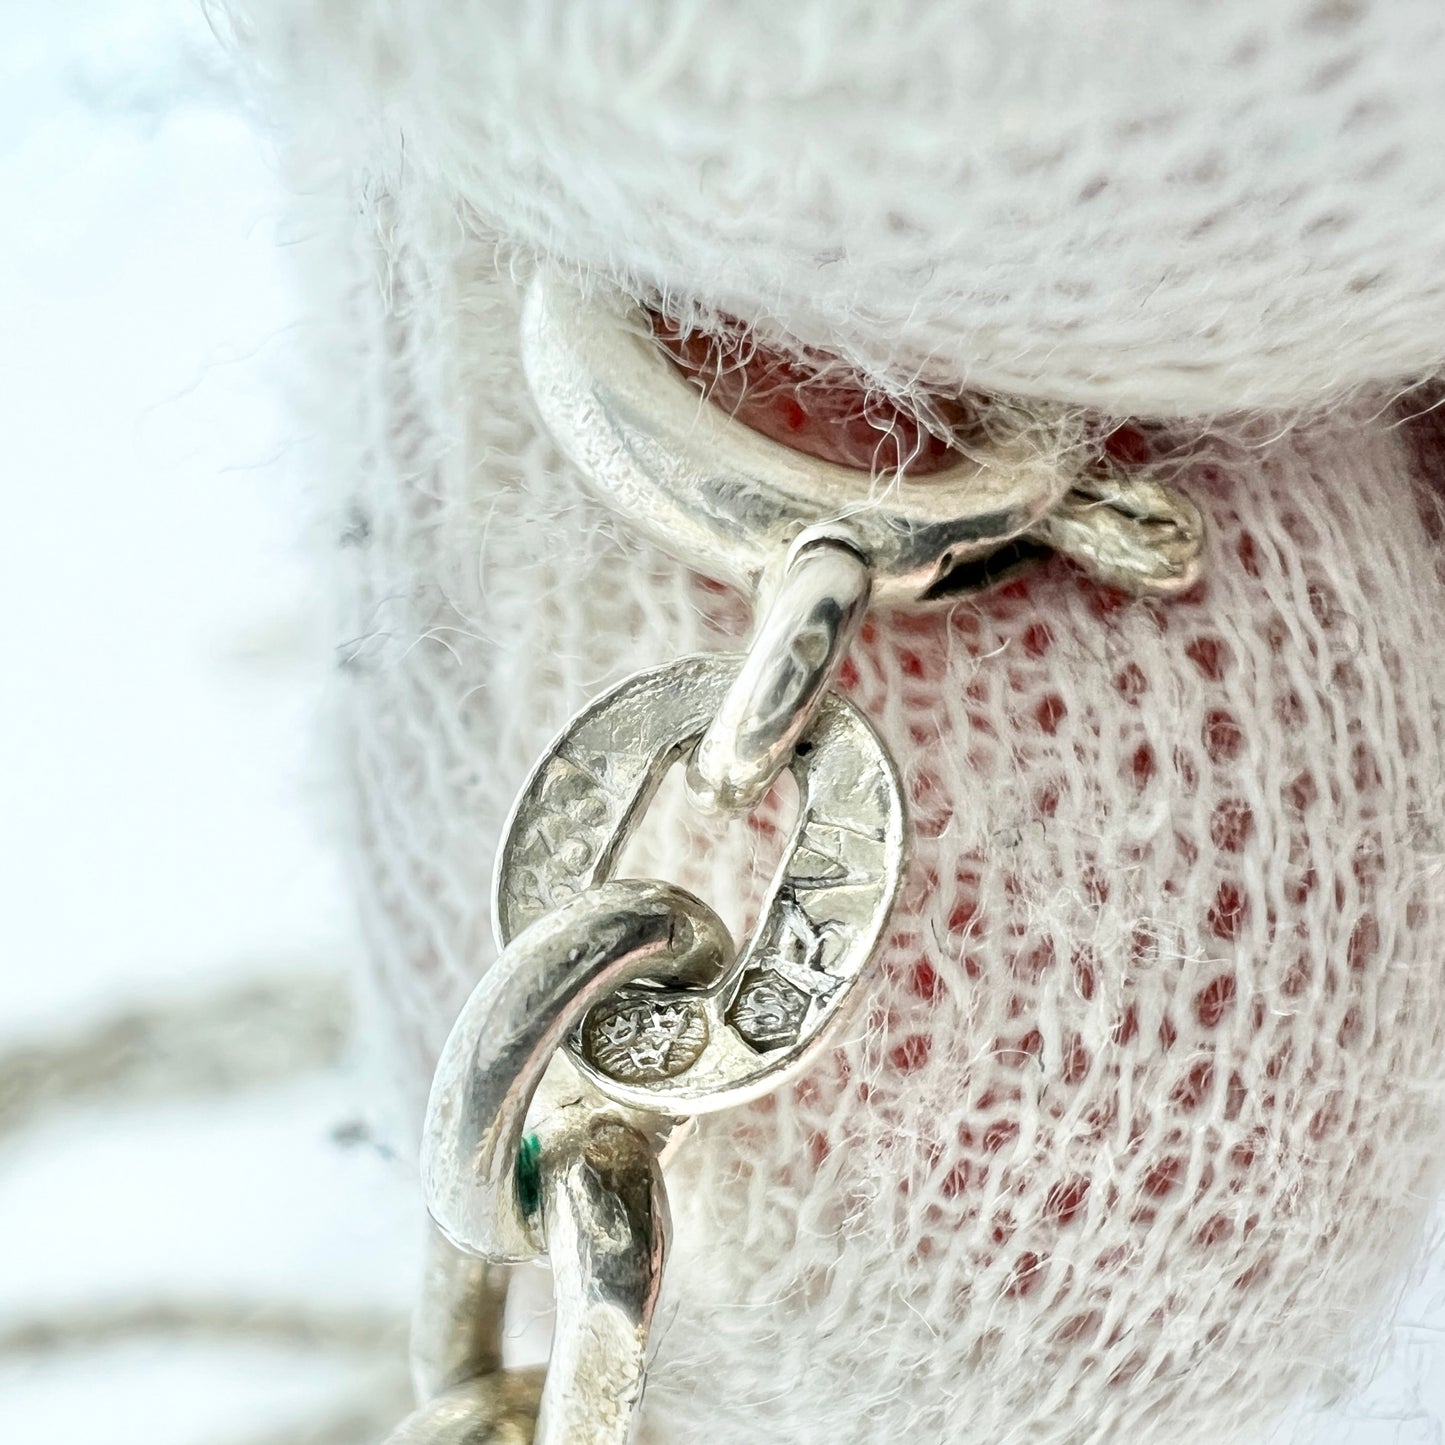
(619,1007)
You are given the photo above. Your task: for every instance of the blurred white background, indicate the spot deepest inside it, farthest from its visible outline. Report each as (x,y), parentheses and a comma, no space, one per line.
(160,830)
(161,824)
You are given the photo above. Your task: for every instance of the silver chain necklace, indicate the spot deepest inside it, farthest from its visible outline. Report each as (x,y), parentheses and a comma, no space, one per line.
(619,1009)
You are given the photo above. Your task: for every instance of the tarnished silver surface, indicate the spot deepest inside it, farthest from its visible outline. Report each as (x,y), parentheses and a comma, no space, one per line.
(1132,531)
(517,1017)
(723,497)
(823,914)
(798,646)
(496,1409)
(639,1037)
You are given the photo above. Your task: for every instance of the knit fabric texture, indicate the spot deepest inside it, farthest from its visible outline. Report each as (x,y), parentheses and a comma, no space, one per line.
(1184,206)
(1134,1133)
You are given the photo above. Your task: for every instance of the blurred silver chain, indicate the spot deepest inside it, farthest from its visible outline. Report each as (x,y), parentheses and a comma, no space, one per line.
(251,1034)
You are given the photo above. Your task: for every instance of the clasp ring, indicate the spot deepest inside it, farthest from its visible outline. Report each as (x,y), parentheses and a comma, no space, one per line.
(728,500)
(731,502)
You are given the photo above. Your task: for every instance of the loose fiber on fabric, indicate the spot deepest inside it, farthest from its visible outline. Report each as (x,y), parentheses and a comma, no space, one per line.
(1134,1136)
(1185,206)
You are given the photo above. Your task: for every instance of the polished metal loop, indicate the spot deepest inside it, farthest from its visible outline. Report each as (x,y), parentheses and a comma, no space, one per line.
(698,1051)
(603,1209)
(607,1226)
(729,500)
(795,653)
(516,1019)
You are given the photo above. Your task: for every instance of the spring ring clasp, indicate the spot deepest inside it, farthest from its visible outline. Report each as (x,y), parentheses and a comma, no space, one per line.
(725,499)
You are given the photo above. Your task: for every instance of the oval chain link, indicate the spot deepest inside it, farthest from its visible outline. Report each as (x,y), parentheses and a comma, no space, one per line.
(702,1050)
(604,1207)
(509,1030)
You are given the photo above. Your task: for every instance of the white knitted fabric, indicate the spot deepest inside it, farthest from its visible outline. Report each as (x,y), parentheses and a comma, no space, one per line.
(1178,206)
(1136,1130)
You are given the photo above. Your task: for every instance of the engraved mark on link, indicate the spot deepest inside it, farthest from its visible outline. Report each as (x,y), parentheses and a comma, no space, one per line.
(768,1012)
(821,919)
(642,1040)
(567,834)
(791,980)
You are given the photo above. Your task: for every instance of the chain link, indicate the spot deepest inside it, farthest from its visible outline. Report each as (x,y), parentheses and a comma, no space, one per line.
(616,1007)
